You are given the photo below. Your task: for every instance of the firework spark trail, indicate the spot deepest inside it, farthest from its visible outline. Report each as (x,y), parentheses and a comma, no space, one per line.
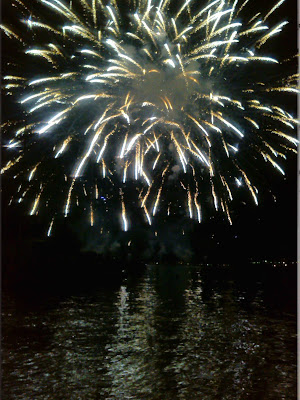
(150,96)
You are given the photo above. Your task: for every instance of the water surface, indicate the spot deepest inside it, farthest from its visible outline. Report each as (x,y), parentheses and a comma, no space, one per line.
(172,332)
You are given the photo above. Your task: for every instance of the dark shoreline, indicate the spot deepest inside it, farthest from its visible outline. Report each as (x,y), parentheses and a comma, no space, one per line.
(47,272)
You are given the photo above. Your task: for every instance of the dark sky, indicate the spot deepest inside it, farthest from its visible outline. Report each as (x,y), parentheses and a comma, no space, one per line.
(266,231)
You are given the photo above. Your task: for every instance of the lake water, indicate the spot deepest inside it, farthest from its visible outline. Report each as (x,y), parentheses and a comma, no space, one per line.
(169,332)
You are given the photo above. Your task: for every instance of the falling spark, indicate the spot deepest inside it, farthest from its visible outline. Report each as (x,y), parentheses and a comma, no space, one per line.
(50,227)
(125,223)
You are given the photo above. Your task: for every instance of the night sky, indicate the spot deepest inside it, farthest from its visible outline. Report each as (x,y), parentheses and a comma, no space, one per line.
(265,232)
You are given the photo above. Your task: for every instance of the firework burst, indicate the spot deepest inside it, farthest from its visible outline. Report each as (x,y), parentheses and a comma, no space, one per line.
(163,106)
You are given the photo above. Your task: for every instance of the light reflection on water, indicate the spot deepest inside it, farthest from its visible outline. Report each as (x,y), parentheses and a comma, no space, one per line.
(171,334)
